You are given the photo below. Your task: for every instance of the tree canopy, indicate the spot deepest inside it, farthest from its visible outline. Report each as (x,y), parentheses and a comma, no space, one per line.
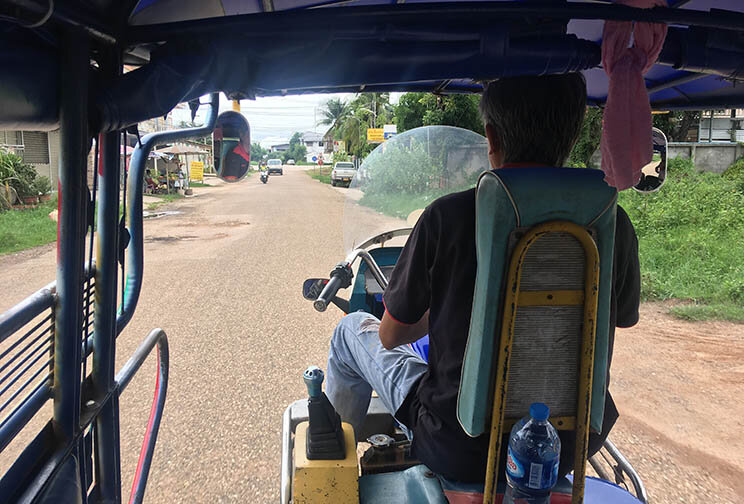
(425,109)
(297,149)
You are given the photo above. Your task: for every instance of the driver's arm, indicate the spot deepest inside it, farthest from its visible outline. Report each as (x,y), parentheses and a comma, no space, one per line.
(394,333)
(408,293)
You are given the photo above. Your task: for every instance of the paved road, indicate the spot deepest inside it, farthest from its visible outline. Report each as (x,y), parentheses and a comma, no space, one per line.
(223,279)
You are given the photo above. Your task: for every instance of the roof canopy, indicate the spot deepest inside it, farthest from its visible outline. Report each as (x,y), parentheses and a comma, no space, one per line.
(188,48)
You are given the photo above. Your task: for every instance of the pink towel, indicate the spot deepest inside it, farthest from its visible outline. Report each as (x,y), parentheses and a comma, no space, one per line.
(626,133)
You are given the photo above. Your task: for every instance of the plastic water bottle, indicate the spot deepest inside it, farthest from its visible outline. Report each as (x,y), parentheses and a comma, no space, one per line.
(532,459)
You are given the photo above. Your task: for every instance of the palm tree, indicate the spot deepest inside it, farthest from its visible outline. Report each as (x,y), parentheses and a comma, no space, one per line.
(334,113)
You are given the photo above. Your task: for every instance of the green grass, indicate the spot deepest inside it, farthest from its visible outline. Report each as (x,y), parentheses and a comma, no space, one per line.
(718,311)
(164,199)
(23,229)
(198,184)
(323,174)
(690,237)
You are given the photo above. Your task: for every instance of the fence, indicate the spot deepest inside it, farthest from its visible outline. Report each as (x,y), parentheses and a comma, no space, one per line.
(711,157)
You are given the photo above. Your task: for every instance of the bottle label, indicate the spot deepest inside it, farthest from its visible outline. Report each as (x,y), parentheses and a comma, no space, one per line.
(529,474)
(513,467)
(536,476)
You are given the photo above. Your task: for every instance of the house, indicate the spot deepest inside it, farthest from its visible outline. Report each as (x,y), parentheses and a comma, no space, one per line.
(40,149)
(721,126)
(314,142)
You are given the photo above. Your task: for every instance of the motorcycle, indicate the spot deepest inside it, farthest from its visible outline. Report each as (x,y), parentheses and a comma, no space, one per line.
(264,176)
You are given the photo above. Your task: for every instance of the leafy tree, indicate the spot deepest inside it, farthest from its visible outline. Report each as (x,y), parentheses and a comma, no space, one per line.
(375,108)
(676,123)
(426,109)
(409,113)
(297,149)
(334,113)
(588,142)
(258,152)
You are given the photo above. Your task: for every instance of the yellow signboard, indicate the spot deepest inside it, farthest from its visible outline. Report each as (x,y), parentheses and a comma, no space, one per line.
(375,135)
(196,171)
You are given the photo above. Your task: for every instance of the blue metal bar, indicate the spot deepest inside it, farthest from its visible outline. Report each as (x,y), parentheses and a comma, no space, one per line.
(25,311)
(43,344)
(303,22)
(127,372)
(123,377)
(28,382)
(106,446)
(135,255)
(73,90)
(23,371)
(12,425)
(23,338)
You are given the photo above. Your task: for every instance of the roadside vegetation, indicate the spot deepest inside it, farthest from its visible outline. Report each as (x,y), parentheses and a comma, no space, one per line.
(690,236)
(26,228)
(164,199)
(322,174)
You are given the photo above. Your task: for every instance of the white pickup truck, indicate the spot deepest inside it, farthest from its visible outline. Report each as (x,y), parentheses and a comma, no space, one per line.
(342,173)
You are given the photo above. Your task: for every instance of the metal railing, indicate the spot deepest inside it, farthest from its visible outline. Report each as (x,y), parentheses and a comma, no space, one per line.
(123,377)
(27,350)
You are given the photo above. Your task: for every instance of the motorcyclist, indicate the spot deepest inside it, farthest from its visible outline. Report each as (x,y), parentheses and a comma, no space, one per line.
(530,121)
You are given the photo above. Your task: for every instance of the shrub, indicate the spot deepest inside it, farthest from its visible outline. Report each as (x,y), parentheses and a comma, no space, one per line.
(17,174)
(689,235)
(42,185)
(735,173)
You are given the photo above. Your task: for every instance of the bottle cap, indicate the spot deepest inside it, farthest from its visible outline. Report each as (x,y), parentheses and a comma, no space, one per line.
(539,411)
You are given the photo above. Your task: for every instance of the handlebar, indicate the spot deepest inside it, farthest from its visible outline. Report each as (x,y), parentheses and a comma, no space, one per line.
(328,293)
(342,275)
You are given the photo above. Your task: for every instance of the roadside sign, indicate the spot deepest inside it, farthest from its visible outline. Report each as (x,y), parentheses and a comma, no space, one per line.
(389,131)
(315,158)
(375,135)
(196,171)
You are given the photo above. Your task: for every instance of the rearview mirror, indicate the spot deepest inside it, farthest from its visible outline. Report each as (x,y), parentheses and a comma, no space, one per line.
(312,287)
(653,175)
(231,146)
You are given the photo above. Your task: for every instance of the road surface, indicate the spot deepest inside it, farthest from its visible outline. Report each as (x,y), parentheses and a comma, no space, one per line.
(223,279)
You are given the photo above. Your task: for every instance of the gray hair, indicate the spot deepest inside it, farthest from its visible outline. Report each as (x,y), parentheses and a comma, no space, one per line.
(536,119)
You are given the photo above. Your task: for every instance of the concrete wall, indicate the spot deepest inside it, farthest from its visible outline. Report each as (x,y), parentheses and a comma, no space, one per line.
(711,157)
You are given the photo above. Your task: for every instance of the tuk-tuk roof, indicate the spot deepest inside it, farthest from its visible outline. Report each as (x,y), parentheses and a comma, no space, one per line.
(183,49)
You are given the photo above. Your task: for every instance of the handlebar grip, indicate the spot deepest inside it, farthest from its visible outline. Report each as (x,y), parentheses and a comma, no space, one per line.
(328,293)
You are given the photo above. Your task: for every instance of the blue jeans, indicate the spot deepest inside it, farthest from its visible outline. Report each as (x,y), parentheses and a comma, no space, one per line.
(358,364)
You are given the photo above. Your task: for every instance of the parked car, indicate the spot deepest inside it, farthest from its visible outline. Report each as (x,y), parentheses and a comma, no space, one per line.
(342,173)
(275,166)
(290,161)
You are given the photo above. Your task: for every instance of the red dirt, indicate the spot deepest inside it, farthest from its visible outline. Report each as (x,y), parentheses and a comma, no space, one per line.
(679,388)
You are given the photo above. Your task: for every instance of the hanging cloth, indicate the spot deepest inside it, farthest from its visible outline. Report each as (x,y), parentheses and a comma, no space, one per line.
(626,143)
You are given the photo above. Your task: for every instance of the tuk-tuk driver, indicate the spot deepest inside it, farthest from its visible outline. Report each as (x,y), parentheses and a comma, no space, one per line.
(530,121)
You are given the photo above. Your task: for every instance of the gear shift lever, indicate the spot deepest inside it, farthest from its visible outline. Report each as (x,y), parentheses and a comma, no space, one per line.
(325,436)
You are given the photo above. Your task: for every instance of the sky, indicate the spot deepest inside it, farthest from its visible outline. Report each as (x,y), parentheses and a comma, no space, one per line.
(273,120)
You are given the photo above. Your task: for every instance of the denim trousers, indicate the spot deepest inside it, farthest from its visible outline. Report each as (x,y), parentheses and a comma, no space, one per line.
(358,364)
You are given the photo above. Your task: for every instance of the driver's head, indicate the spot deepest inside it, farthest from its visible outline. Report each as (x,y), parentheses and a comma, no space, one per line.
(533,119)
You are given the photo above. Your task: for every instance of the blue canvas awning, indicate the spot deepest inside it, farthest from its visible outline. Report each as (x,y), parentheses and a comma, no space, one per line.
(188,48)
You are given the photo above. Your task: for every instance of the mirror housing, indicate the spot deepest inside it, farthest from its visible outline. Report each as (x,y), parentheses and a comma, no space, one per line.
(231,146)
(653,175)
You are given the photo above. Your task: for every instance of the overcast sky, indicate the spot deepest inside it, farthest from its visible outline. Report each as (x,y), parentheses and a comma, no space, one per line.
(275,119)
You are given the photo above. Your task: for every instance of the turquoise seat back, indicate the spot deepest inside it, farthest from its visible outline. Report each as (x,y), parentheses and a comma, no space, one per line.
(513,199)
